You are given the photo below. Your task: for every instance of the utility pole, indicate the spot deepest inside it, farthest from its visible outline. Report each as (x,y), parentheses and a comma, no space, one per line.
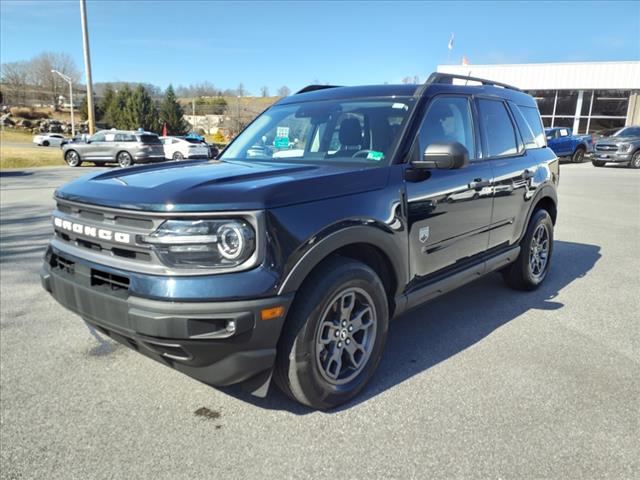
(87,67)
(69,80)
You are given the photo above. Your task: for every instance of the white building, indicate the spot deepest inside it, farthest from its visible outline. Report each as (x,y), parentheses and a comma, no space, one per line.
(587,97)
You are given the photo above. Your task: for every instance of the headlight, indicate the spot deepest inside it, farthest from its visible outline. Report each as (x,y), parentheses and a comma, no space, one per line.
(623,147)
(203,243)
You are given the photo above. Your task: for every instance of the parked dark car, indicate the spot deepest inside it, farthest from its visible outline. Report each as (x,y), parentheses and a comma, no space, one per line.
(291,267)
(622,147)
(565,144)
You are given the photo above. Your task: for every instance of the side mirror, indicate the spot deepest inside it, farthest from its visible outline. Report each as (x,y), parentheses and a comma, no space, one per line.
(449,156)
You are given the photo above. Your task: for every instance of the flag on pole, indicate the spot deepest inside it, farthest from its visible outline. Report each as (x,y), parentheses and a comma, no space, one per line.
(465,60)
(450,46)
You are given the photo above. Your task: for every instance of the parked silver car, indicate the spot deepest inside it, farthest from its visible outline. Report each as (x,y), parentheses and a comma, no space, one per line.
(115,146)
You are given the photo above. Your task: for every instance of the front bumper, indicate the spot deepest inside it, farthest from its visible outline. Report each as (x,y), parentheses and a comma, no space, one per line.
(218,343)
(613,157)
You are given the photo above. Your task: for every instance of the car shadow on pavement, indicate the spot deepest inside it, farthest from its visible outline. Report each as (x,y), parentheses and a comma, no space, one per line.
(438,330)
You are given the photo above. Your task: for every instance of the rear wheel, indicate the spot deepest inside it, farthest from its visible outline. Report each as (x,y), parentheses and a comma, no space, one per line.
(45,143)
(578,155)
(532,265)
(598,164)
(124,159)
(72,158)
(334,336)
(178,156)
(635,160)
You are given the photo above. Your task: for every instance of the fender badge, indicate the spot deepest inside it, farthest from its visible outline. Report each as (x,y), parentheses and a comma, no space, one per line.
(424,234)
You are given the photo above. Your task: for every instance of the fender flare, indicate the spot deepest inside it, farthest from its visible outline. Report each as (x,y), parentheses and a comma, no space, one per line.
(375,236)
(546,191)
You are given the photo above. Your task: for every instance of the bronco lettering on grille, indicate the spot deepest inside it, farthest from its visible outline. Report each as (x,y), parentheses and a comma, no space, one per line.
(94,232)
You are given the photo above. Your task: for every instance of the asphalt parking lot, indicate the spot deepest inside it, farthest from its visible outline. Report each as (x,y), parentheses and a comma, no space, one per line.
(482,383)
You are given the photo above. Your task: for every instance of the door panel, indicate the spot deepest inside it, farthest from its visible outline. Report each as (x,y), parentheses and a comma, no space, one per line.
(448,218)
(449,211)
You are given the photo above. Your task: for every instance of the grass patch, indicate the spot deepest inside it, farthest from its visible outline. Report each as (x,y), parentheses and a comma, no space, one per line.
(13,135)
(14,157)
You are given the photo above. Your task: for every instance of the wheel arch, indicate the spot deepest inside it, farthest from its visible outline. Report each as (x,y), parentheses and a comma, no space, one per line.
(547,199)
(72,150)
(369,245)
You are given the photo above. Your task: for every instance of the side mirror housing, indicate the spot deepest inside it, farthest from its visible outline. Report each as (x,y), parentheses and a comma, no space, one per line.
(448,156)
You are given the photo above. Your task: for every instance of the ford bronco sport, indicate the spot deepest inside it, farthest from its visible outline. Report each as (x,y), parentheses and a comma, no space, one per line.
(336,210)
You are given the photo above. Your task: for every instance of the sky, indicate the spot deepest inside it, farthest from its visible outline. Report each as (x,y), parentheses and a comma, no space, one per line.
(296,43)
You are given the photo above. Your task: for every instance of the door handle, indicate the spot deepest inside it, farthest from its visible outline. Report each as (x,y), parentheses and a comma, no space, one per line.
(478,184)
(527,174)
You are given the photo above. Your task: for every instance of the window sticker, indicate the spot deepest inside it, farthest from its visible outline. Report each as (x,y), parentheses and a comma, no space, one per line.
(375,156)
(281,142)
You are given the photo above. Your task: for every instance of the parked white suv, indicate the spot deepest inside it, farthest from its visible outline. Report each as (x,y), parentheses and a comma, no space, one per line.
(179,148)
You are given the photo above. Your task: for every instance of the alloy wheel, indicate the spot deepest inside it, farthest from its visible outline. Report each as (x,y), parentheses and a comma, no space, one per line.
(346,336)
(539,251)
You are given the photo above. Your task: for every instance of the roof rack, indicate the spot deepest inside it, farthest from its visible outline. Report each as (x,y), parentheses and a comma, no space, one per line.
(313,88)
(447,78)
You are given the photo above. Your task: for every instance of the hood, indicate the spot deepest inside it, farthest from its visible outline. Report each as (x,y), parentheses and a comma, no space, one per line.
(616,140)
(211,186)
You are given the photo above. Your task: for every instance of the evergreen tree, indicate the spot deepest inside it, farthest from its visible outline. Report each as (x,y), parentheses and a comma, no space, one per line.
(106,106)
(115,113)
(140,111)
(172,114)
(84,109)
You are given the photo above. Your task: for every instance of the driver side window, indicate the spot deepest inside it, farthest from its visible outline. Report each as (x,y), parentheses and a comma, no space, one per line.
(448,119)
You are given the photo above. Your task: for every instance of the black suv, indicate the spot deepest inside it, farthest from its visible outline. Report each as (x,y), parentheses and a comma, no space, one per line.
(336,210)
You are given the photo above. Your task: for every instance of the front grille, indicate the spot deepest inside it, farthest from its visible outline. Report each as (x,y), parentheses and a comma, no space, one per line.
(109,280)
(102,218)
(606,148)
(60,263)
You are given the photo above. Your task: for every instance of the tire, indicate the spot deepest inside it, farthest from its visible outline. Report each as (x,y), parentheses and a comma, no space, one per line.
(178,156)
(307,368)
(635,160)
(45,143)
(578,155)
(532,265)
(73,158)
(598,164)
(124,159)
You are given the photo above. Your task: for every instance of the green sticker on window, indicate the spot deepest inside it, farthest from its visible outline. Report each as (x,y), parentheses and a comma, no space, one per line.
(376,156)
(281,142)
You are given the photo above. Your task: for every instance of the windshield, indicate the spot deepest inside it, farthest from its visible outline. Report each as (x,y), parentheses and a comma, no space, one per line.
(628,132)
(342,131)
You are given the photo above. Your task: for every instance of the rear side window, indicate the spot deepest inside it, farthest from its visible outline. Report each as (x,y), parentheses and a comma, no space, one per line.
(525,130)
(532,116)
(497,129)
(150,140)
(125,137)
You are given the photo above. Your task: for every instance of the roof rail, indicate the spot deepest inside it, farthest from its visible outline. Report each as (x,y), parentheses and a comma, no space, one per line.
(313,88)
(438,77)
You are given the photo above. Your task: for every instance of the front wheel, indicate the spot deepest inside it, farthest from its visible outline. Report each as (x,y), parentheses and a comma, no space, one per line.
(72,158)
(124,159)
(178,156)
(532,265)
(578,156)
(45,143)
(334,335)
(635,160)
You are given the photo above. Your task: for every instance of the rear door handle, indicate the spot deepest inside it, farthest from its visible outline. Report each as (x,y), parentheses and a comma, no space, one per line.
(479,183)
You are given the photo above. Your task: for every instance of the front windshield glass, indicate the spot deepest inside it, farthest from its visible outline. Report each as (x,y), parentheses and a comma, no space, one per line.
(342,131)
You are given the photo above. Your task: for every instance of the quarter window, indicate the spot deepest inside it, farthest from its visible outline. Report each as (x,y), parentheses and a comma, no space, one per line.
(497,129)
(448,119)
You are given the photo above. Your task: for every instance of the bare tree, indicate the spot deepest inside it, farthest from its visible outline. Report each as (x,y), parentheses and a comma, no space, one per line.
(15,78)
(264,91)
(284,91)
(241,91)
(52,85)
